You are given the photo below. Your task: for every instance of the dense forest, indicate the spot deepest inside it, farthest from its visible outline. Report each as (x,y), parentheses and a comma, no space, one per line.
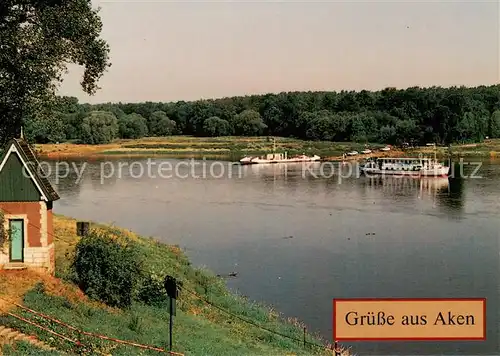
(414,115)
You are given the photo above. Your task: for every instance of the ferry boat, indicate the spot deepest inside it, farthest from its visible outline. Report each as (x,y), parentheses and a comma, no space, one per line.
(426,167)
(278,158)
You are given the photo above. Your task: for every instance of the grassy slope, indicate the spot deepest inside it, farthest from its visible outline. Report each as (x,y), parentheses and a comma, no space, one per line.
(198,330)
(26,349)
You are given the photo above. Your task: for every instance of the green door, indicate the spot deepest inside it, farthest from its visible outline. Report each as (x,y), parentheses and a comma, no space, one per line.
(16,230)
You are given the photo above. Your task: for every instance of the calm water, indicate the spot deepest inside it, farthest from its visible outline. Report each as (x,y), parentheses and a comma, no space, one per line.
(355,237)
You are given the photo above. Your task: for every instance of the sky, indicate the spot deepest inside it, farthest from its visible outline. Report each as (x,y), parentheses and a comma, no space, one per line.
(189,50)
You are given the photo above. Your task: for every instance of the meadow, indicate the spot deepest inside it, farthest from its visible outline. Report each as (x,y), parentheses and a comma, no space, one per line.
(229,147)
(233,148)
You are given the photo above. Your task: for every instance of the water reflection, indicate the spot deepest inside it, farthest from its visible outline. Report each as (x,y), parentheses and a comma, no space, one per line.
(408,185)
(284,170)
(441,192)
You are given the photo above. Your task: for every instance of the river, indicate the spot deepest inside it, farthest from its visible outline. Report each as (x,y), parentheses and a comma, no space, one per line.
(300,236)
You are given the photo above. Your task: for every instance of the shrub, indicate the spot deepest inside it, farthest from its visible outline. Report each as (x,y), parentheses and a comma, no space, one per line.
(106,269)
(152,291)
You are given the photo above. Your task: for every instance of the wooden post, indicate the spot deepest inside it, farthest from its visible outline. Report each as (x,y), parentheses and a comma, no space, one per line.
(304,337)
(170,285)
(171,323)
(82,228)
(337,349)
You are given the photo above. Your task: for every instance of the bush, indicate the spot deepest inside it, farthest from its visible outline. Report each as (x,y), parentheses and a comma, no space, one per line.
(152,291)
(106,269)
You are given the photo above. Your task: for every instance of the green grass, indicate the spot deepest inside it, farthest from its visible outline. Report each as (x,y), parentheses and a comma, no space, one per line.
(149,325)
(230,148)
(234,148)
(488,148)
(199,329)
(22,348)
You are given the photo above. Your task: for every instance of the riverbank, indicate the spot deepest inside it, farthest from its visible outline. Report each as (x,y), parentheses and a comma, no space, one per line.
(234,148)
(227,148)
(201,328)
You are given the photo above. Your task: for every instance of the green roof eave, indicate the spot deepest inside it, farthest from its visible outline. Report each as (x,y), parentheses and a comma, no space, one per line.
(33,166)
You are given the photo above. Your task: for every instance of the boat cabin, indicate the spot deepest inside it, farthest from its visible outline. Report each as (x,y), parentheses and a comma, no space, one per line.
(276,156)
(407,165)
(26,200)
(401,164)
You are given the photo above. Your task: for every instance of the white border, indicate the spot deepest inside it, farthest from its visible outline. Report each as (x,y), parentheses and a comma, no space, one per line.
(43,224)
(14,149)
(23,217)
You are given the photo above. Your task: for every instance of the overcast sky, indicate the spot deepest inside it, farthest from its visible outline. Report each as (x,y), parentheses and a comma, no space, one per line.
(187,50)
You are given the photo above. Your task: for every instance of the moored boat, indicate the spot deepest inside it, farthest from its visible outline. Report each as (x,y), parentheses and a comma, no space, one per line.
(278,158)
(426,167)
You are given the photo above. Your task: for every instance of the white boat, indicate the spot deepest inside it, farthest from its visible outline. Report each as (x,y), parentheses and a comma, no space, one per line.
(418,167)
(352,153)
(385,149)
(278,158)
(365,152)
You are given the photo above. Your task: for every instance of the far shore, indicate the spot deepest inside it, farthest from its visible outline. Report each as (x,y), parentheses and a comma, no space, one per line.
(234,148)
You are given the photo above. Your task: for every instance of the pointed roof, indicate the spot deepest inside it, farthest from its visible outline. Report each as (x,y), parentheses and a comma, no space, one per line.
(32,166)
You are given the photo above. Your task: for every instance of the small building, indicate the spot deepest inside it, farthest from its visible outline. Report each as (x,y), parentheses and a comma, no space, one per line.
(26,199)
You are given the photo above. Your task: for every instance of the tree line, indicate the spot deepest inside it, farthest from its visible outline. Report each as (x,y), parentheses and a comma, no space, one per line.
(413,115)
(40,37)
